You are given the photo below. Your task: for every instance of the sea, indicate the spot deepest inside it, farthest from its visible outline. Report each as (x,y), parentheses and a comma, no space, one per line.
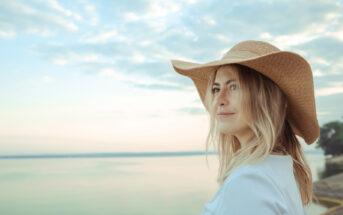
(172,183)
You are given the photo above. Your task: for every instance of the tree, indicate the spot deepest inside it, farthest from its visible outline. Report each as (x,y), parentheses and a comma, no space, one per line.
(331,138)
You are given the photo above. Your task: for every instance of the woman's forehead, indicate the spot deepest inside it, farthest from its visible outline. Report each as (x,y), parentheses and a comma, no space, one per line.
(227,71)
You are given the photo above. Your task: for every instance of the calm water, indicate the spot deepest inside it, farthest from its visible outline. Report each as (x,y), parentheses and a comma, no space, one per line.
(125,185)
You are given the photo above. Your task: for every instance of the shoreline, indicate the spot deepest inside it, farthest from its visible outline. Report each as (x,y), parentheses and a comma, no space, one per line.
(329,191)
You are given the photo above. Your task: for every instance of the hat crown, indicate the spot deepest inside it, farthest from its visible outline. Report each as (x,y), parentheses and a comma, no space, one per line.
(250,48)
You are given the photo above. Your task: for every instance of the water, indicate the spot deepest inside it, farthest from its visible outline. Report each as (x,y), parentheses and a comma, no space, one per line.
(114,185)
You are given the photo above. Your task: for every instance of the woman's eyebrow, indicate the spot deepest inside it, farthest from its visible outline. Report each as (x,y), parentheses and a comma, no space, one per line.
(227,82)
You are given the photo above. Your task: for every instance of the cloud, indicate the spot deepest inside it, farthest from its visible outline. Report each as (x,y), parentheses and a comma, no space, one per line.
(154,10)
(45,18)
(209,20)
(67,59)
(130,16)
(103,37)
(32,18)
(317,73)
(92,14)
(137,81)
(140,39)
(59,61)
(55,5)
(336,88)
(158,15)
(319,60)
(8,34)
(47,78)
(311,32)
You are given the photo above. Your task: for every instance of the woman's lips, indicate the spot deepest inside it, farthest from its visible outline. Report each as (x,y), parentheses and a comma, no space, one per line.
(225,115)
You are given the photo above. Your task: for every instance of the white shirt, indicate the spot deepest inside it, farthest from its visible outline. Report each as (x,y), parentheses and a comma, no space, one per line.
(266,188)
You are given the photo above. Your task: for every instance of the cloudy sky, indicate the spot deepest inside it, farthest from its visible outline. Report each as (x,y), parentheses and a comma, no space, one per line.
(95,76)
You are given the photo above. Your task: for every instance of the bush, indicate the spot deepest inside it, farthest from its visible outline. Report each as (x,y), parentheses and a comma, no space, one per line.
(331,138)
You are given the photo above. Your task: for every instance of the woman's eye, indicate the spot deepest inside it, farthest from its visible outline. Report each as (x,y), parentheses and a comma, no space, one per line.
(214,90)
(233,85)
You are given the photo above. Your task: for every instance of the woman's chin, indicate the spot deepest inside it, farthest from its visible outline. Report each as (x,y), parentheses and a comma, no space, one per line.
(225,130)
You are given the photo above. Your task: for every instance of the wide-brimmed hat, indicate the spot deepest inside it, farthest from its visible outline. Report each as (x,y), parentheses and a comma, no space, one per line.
(291,72)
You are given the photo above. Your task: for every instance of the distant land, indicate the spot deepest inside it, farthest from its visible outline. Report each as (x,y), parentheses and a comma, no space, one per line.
(124,154)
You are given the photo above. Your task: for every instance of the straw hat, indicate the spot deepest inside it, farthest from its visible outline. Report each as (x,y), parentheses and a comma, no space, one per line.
(291,72)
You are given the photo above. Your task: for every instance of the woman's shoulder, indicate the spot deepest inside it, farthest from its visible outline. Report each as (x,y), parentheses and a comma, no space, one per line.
(249,172)
(274,169)
(249,176)
(249,186)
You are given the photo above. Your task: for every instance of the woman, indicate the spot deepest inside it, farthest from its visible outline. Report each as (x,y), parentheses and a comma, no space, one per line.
(258,98)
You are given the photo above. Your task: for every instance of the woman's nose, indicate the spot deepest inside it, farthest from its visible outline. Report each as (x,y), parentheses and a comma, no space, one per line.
(222,98)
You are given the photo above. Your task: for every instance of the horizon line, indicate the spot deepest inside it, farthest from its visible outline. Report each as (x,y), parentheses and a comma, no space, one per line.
(121,154)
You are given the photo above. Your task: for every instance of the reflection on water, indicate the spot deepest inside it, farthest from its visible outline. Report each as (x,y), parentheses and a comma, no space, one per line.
(134,185)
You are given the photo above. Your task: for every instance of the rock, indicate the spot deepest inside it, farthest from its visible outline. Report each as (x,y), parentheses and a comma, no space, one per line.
(335,159)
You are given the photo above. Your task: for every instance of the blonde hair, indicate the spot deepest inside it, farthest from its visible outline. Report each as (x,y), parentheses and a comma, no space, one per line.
(264,106)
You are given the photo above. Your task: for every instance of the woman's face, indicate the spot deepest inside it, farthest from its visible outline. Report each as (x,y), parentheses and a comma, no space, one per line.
(226,92)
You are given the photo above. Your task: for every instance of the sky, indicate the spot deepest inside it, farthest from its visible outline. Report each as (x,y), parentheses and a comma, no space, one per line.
(95,76)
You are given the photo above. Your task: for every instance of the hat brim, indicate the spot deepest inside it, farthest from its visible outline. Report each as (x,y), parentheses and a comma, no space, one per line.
(288,70)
